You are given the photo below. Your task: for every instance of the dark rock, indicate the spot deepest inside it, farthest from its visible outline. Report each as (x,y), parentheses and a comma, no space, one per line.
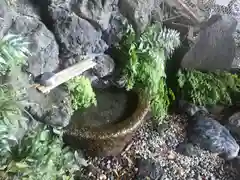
(26,8)
(75,35)
(189,108)
(148,169)
(54,108)
(98,13)
(236,164)
(138,12)
(187,149)
(233,124)
(105,66)
(214,47)
(101,84)
(43,46)
(209,134)
(116,29)
(44,79)
(5,18)
(98,83)
(104,16)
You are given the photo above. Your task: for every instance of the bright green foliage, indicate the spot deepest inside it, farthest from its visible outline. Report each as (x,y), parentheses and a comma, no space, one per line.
(145,69)
(13,51)
(27,152)
(82,94)
(208,88)
(12,122)
(40,155)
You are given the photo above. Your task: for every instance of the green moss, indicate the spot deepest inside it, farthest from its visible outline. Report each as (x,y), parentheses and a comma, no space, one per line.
(82,94)
(145,67)
(210,88)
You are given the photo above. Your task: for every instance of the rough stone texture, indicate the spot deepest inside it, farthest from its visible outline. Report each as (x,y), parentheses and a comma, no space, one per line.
(233,124)
(5,18)
(24,7)
(211,135)
(43,46)
(98,12)
(116,29)
(75,35)
(147,168)
(138,12)
(53,109)
(105,66)
(215,46)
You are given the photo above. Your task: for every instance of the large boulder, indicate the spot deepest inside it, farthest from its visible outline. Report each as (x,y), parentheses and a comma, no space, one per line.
(75,35)
(138,12)
(214,47)
(103,15)
(233,124)
(209,134)
(43,46)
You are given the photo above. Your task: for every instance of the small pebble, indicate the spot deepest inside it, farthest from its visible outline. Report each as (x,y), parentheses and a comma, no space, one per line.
(102,177)
(171,155)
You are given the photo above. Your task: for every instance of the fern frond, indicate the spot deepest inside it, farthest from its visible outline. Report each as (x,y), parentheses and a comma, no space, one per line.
(13,52)
(146,66)
(156,37)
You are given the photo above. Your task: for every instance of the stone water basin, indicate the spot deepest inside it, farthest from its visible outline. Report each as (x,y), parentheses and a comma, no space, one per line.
(105,129)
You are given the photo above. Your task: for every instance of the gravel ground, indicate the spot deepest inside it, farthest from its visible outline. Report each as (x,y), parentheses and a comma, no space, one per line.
(160,146)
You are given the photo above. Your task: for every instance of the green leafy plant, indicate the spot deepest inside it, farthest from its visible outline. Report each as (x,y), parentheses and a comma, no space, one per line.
(13,51)
(208,88)
(82,94)
(41,155)
(145,68)
(27,152)
(12,122)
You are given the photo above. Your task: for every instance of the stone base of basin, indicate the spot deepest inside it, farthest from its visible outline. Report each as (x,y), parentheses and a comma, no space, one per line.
(109,139)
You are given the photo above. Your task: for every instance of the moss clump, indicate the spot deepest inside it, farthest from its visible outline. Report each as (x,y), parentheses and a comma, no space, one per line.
(208,88)
(82,94)
(145,67)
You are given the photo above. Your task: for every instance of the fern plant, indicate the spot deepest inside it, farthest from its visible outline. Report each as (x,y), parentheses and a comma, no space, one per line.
(145,69)
(27,153)
(41,155)
(30,153)
(13,124)
(13,51)
(82,94)
(208,88)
